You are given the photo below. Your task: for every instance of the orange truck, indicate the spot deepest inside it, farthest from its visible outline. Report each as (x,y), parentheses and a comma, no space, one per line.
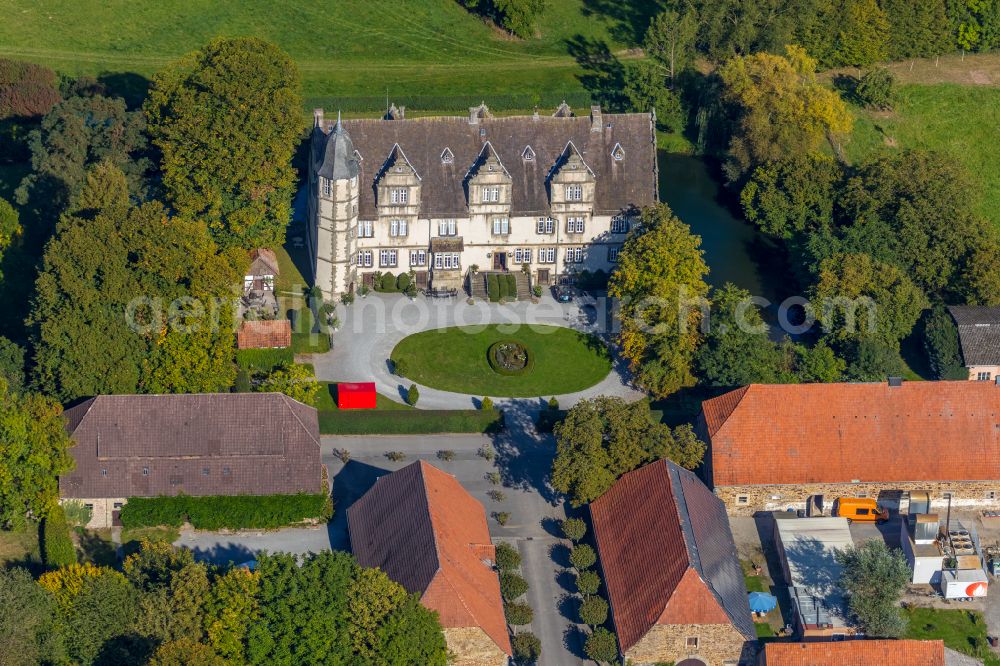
(860,510)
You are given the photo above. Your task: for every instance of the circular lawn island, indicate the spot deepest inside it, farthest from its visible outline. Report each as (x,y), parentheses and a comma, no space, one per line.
(504,360)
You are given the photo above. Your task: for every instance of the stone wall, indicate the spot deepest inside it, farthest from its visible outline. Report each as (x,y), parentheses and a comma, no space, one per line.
(964,495)
(717,645)
(471,646)
(102,508)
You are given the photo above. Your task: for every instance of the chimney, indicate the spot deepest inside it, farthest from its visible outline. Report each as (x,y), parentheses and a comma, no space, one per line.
(595,118)
(318,117)
(473,115)
(534,115)
(895,381)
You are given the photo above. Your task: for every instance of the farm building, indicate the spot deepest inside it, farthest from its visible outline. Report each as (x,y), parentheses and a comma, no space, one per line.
(772,447)
(855,653)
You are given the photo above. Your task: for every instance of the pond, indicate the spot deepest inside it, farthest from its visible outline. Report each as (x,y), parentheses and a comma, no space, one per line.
(734,251)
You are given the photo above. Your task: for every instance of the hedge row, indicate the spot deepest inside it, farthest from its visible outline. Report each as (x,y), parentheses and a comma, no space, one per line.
(57,547)
(264,360)
(409,422)
(226,511)
(389,283)
(509,287)
(493,287)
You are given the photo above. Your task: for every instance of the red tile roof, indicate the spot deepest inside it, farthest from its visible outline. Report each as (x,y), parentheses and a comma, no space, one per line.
(840,433)
(264,334)
(667,554)
(429,534)
(856,653)
(263,261)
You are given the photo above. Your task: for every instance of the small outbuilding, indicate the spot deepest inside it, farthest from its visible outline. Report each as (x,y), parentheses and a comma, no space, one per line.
(356,395)
(264,334)
(855,653)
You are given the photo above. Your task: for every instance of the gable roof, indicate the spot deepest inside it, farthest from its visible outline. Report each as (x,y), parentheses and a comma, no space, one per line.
(978,333)
(856,653)
(264,334)
(147,445)
(813,433)
(668,554)
(428,534)
(620,184)
(263,261)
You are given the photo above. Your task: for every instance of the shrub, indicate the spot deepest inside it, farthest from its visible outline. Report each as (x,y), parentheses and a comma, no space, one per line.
(27,90)
(537,291)
(583,557)
(511,282)
(395,456)
(387,282)
(57,547)
(412,395)
(446,455)
(403,282)
(363,290)
(493,287)
(553,404)
(263,360)
(348,297)
(941,344)
(343,455)
(588,582)
(593,611)
(242,383)
(512,585)
(399,367)
(77,514)
(486,452)
(226,511)
(494,478)
(602,646)
(502,517)
(527,647)
(497,495)
(507,557)
(518,613)
(486,403)
(877,89)
(574,529)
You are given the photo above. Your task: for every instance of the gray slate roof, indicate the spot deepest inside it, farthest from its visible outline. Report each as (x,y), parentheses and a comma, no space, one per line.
(978,333)
(620,184)
(339,161)
(249,443)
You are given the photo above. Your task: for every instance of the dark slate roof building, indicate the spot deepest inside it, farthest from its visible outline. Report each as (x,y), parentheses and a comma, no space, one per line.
(443,150)
(671,567)
(978,333)
(200,444)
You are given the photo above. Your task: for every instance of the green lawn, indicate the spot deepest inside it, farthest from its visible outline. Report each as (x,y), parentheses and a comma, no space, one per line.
(429,54)
(963,631)
(454,359)
(20,546)
(955,119)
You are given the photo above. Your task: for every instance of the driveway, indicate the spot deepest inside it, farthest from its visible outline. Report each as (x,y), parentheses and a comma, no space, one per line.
(372,326)
(237,548)
(523,460)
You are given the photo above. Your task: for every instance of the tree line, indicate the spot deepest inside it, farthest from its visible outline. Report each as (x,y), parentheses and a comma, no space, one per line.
(165,609)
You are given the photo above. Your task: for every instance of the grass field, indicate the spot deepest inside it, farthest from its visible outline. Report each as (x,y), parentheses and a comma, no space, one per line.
(430,54)
(454,359)
(956,119)
(963,631)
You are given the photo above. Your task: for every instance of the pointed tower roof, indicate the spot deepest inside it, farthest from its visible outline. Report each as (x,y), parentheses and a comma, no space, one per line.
(339,161)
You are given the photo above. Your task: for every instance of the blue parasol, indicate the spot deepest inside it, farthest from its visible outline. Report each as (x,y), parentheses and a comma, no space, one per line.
(762,602)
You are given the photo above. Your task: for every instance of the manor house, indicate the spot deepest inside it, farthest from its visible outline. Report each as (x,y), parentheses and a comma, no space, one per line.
(452,197)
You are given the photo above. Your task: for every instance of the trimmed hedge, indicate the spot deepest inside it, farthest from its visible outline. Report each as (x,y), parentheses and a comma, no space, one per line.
(264,360)
(387,283)
(57,547)
(493,287)
(409,422)
(511,284)
(403,282)
(232,512)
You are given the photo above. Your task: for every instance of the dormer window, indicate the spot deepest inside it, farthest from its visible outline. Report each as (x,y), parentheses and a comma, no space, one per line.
(399,195)
(447,157)
(618,152)
(528,155)
(574,192)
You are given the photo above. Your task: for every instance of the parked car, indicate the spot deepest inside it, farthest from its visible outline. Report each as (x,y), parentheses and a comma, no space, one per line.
(563,293)
(860,510)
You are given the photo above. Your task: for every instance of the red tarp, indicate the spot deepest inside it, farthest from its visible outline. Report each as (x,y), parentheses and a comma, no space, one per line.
(356,395)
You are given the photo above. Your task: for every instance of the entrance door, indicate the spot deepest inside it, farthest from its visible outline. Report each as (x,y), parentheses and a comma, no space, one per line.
(499,261)
(543,276)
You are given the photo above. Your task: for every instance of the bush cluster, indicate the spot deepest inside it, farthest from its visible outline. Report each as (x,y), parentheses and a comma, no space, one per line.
(512,585)
(508,287)
(527,647)
(507,557)
(57,547)
(493,287)
(226,511)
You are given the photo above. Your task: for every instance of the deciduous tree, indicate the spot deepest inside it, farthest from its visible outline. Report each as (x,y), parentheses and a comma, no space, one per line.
(226,119)
(874,578)
(793,195)
(670,39)
(660,283)
(602,646)
(27,622)
(296,381)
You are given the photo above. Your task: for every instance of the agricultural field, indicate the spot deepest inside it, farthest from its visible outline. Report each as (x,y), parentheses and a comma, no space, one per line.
(427,54)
